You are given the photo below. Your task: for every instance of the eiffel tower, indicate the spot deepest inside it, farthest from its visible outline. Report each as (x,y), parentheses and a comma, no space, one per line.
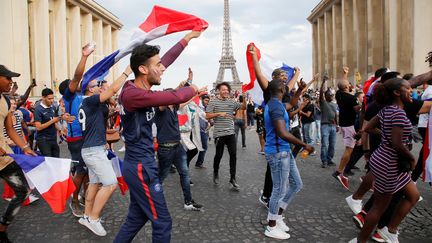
(227,60)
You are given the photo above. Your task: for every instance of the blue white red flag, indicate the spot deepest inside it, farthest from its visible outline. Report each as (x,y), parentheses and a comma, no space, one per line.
(161,21)
(50,176)
(117,164)
(267,64)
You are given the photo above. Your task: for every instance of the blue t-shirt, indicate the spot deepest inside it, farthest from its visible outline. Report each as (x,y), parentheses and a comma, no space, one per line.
(167,125)
(93,116)
(275,110)
(43,115)
(26,114)
(73,103)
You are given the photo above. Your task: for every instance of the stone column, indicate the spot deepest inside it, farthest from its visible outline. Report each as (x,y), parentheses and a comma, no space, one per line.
(328,19)
(15,48)
(40,45)
(321,45)
(315,47)
(337,42)
(59,45)
(98,38)
(107,48)
(360,27)
(114,43)
(405,35)
(348,38)
(74,38)
(422,35)
(87,34)
(376,35)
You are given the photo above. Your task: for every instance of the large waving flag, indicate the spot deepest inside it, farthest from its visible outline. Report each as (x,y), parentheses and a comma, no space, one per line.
(50,176)
(161,21)
(117,164)
(267,64)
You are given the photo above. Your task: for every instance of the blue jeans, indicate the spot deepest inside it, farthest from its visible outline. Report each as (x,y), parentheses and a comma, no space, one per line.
(317,124)
(175,155)
(250,118)
(307,133)
(328,142)
(204,143)
(286,181)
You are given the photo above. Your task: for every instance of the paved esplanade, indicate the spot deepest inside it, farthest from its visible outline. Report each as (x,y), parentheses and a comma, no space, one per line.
(318,213)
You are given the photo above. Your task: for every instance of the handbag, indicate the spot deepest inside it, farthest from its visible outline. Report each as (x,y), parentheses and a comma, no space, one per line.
(112,136)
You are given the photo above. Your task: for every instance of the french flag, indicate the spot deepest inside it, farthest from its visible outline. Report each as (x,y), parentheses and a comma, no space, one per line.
(161,21)
(267,64)
(50,176)
(117,164)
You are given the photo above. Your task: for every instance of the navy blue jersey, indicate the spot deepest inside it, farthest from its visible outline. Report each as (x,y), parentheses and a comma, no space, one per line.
(167,125)
(44,114)
(137,116)
(72,103)
(93,116)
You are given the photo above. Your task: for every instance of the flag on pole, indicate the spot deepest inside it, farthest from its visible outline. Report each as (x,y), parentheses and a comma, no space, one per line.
(50,176)
(117,164)
(267,64)
(161,21)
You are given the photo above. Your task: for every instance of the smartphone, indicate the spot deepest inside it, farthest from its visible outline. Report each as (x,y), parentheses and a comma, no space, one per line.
(34,82)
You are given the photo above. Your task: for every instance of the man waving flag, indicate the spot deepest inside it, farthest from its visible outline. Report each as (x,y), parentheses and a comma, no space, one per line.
(161,21)
(268,64)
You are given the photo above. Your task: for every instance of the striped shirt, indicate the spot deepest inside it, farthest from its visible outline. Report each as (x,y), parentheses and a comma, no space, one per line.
(223,126)
(16,125)
(384,161)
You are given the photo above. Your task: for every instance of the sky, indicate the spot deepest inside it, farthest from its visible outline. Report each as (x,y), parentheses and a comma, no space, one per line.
(279,28)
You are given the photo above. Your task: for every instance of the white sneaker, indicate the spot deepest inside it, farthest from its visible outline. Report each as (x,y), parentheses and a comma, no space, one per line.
(94,225)
(281,225)
(420,199)
(275,232)
(353,240)
(355,205)
(387,236)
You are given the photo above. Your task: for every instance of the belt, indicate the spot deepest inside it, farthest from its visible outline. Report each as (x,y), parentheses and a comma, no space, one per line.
(169,145)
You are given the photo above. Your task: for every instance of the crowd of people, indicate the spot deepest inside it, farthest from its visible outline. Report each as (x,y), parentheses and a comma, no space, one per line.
(165,130)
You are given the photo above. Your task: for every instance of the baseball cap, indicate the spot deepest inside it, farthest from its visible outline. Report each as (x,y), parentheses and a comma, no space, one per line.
(7,73)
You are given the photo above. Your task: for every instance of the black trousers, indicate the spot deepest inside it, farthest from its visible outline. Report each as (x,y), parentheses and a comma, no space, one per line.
(48,147)
(230,142)
(418,170)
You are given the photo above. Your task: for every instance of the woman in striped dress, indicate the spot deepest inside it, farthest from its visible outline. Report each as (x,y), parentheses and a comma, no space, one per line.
(395,130)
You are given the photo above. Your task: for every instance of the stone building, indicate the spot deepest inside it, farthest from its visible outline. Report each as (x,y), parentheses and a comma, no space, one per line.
(42,39)
(368,34)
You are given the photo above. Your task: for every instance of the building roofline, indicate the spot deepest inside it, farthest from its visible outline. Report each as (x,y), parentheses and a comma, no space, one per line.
(320,9)
(98,10)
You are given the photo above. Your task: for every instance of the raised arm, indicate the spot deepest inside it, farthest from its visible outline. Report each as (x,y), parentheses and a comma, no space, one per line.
(172,54)
(262,81)
(421,79)
(27,93)
(321,94)
(115,86)
(79,71)
(294,78)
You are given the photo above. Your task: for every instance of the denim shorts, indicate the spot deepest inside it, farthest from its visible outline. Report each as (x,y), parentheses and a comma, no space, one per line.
(100,169)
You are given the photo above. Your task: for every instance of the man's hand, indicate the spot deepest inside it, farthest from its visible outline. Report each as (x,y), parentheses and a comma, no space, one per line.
(296,69)
(182,83)
(88,49)
(301,85)
(193,34)
(202,89)
(190,75)
(309,148)
(223,114)
(33,83)
(316,77)
(345,70)
(29,151)
(2,152)
(252,50)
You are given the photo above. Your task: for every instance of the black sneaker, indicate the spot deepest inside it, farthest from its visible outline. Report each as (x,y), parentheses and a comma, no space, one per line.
(264,201)
(335,174)
(4,238)
(234,184)
(173,169)
(193,206)
(215,179)
(331,163)
(191,183)
(199,166)
(323,164)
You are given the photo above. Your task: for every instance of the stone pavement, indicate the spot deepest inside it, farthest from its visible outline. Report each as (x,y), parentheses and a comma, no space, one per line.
(317,214)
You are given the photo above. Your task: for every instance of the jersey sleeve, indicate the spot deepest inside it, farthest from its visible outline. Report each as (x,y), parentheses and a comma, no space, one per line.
(276,111)
(172,54)
(37,115)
